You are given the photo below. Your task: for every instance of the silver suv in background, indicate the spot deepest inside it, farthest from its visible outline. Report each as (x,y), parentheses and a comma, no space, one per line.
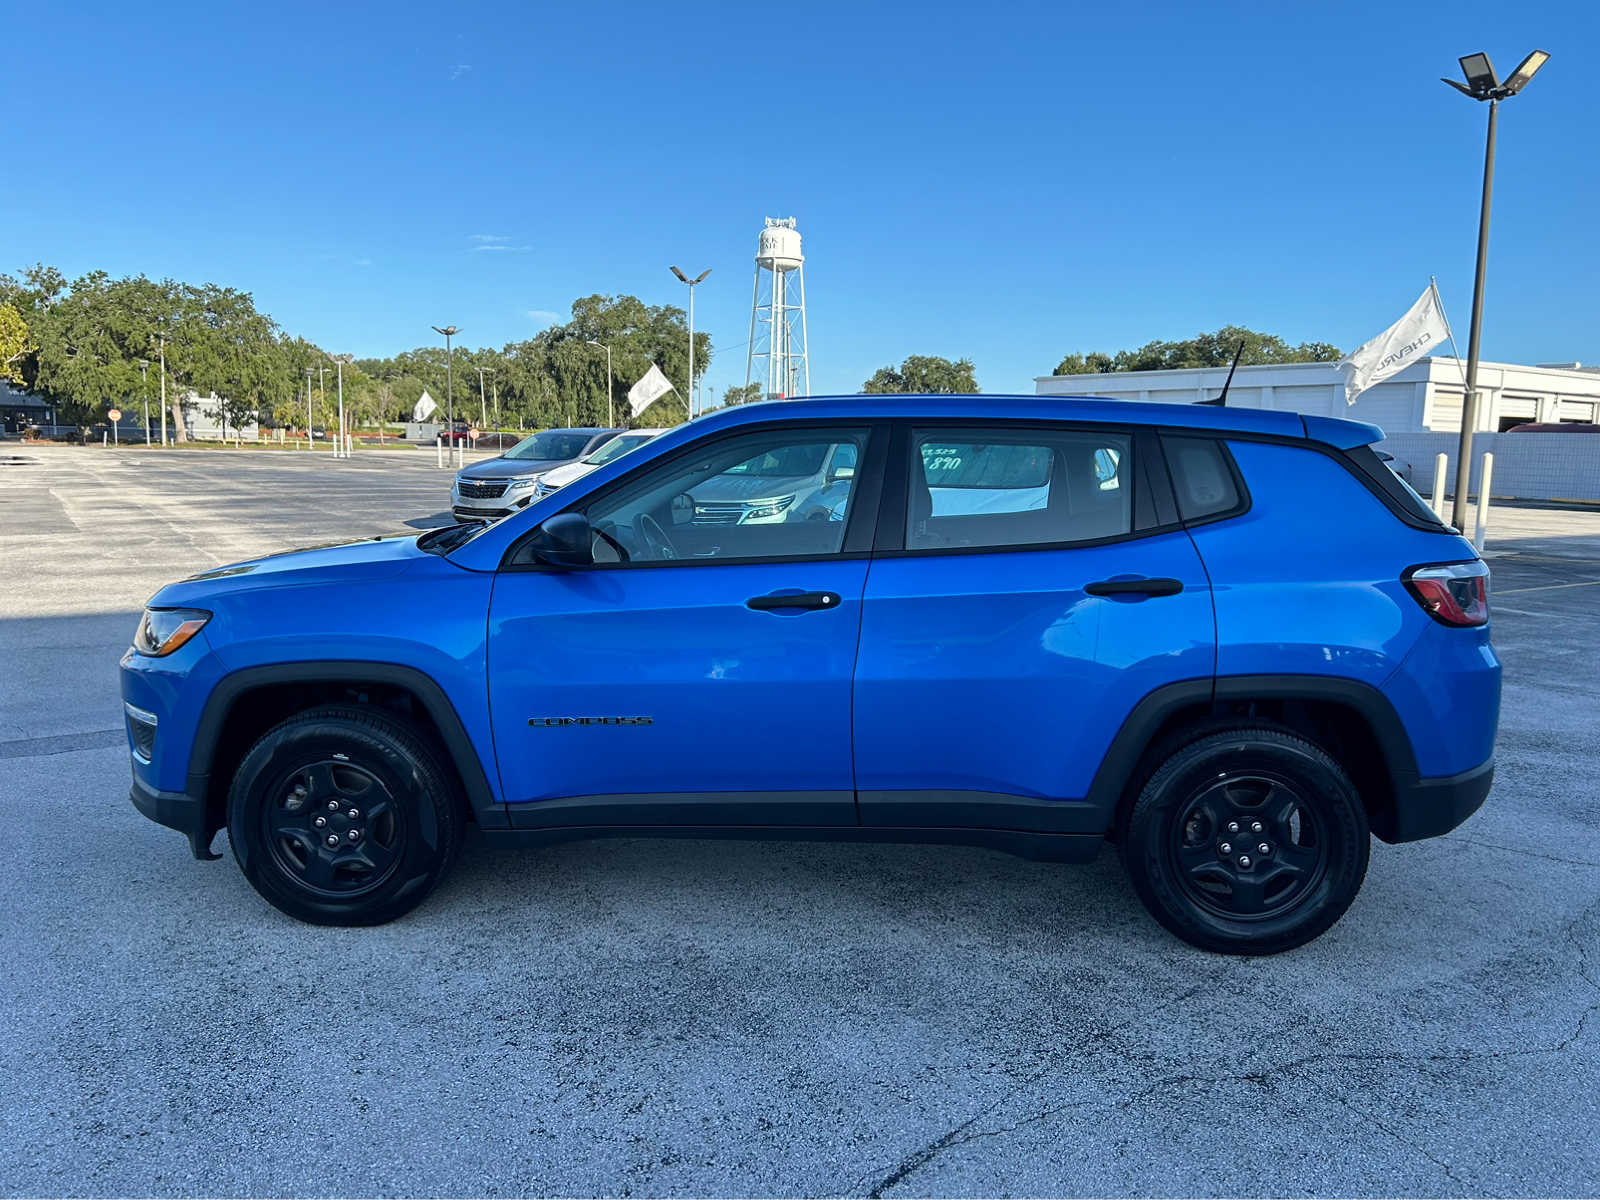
(558,478)
(496,486)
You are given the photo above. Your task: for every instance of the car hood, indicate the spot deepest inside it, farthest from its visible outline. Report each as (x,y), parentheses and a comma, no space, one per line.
(370,558)
(502,468)
(724,489)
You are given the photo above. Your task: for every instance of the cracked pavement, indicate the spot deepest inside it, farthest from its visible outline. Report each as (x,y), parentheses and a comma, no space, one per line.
(688,1018)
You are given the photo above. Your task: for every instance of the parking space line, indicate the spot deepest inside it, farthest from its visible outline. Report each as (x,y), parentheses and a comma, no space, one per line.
(1546,587)
(1524,612)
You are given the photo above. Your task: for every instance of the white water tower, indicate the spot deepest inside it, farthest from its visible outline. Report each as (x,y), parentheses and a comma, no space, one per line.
(777,355)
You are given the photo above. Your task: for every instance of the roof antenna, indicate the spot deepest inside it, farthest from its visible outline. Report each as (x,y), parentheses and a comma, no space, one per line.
(1222,400)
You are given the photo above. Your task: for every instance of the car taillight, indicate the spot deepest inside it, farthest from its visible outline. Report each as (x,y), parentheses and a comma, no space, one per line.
(1453,593)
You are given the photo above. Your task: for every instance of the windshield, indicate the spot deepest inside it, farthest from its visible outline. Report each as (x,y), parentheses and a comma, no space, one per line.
(784,462)
(617,447)
(550,445)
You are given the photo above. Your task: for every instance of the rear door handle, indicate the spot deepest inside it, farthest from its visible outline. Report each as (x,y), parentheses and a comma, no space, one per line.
(779,600)
(1135,587)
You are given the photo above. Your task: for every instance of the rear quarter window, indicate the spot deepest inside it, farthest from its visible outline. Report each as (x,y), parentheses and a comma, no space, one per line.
(1203,476)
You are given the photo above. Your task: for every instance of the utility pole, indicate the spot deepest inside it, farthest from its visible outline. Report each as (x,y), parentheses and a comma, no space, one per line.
(483,401)
(450,331)
(144,388)
(682,278)
(611,416)
(163,340)
(308,409)
(1482,84)
(341,359)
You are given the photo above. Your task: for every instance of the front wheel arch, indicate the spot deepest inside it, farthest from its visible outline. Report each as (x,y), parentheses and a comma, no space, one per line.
(245,704)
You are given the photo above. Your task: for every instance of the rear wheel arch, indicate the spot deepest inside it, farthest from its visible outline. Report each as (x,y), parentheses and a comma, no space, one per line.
(246,703)
(1351,720)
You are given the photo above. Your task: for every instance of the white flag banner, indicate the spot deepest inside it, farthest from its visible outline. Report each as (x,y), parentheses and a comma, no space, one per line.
(1414,335)
(425,408)
(648,390)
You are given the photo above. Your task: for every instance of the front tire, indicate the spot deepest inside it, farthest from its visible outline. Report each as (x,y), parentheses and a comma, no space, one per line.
(1247,841)
(342,816)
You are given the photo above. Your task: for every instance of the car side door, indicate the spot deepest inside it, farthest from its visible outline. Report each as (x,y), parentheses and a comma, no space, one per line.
(1030,584)
(698,671)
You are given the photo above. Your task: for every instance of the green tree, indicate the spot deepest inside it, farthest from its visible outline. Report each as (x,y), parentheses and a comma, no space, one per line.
(13,342)
(748,394)
(922,373)
(1203,350)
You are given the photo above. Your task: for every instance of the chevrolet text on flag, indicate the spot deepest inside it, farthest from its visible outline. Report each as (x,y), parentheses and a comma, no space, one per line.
(650,388)
(1397,347)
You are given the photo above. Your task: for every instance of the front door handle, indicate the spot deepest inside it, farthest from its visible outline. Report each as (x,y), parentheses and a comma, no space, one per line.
(1135,587)
(780,600)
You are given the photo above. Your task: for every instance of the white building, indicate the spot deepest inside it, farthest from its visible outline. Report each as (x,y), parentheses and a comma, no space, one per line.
(1426,396)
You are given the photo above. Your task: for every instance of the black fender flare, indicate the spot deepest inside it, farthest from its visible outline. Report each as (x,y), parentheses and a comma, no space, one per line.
(1133,740)
(463,754)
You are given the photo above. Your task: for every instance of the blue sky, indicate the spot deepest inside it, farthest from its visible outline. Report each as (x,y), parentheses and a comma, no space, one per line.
(1006,182)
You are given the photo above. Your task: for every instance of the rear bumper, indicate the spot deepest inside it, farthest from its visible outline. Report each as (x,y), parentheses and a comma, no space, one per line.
(1429,807)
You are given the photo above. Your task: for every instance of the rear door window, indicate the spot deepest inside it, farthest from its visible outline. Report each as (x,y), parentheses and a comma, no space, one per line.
(984,488)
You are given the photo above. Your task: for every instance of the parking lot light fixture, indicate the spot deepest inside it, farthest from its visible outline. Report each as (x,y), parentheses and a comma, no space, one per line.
(340,360)
(682,278)
(1482,84)
(611,418)
(450,331)
(483,399)
(162,342)
(144,386)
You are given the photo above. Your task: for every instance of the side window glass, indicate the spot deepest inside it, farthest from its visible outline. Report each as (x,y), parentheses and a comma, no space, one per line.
(1200,476)
(771,494)
(1006,487)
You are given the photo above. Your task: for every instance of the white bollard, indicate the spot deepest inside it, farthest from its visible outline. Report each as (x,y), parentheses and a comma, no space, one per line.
(438,445)
(1440,466)
(1483,502)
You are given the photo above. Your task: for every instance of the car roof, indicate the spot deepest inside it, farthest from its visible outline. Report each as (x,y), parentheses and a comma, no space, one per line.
(1333,430)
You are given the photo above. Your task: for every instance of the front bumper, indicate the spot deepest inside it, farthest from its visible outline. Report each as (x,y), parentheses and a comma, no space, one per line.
(467,508)
(1427,808)
(176,810)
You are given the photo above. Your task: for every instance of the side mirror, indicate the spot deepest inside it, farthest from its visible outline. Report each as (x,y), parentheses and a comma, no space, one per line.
(840,473)
(564,540)
(682,509)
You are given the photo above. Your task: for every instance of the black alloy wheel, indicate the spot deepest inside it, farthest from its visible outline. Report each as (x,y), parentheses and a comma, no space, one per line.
(1248,846)
(344,816)
(334,827)
(1247,841)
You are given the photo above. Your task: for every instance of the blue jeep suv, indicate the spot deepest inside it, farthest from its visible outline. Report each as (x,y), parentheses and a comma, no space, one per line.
(1231,642)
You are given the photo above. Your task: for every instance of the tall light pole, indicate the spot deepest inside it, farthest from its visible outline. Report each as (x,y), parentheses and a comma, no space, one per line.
(161,338)
(144,388)
(483,400)
(309,416)
(611,416)
(341,359)
(1482,84)
(449,331)
(682,278)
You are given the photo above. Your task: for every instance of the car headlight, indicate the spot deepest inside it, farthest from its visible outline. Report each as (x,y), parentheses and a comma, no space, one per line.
(761,510)
(163,630)
(517,482)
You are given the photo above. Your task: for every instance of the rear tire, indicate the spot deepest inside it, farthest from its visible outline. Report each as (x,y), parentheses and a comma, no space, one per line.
(342,816)
(1194,841)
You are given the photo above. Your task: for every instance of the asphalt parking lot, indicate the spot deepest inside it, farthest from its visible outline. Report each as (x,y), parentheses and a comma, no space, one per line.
(630,1017)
